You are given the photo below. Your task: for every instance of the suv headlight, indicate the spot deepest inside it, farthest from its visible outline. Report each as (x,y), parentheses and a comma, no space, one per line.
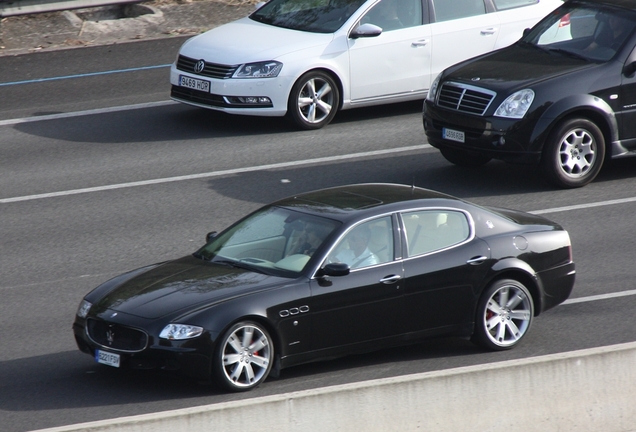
(266,69)
(180,332)
(432,92)
(516,105)
(83,308)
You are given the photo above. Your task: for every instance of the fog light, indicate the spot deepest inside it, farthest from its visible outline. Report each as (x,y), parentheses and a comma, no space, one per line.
(249,101)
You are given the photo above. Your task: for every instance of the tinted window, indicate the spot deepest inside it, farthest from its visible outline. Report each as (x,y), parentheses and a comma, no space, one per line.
(588,32)
(446,10)
(431,230)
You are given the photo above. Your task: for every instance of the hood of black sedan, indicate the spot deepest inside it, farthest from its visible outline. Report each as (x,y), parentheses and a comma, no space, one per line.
(185,283)
(519,64)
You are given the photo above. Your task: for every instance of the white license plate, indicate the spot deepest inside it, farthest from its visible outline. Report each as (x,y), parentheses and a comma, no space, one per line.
(453,135)
(104,357)
(194,83)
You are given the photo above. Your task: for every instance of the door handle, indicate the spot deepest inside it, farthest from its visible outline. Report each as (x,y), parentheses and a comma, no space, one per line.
(489,31)
(477,260)
(390,279)
(421,42)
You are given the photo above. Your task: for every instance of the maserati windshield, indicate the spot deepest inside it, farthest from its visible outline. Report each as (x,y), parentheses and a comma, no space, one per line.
(276,239)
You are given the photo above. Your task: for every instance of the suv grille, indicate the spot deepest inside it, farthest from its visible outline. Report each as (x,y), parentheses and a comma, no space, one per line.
(465,98)
(115,336)
(211,70)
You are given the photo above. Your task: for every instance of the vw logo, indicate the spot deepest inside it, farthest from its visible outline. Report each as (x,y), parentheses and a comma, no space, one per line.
(199,66)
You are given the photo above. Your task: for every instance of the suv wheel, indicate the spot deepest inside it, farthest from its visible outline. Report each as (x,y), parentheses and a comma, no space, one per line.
(573,154)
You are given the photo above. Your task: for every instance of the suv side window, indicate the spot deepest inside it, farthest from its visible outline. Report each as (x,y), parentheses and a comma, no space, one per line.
(446,10)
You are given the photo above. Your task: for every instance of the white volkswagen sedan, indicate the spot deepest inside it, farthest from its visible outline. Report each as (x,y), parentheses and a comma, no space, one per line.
(307,59)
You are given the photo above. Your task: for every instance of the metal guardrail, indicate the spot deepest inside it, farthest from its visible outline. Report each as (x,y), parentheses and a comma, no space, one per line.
(26,7)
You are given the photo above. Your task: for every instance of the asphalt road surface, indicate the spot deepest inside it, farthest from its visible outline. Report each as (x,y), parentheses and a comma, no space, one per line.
(100,173)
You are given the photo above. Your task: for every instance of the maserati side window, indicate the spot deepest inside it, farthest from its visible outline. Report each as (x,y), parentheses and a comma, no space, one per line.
(367,244)
(427,231)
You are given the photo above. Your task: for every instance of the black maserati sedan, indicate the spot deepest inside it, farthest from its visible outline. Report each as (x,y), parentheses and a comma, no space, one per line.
(327,273)
(563,97)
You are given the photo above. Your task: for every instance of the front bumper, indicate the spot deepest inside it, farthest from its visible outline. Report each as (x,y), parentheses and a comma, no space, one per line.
(228,95)
(505,139)
(191,358)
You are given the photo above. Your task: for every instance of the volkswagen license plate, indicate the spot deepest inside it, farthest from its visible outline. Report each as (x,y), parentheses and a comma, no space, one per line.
(107,358)
(195,84)
(453,135)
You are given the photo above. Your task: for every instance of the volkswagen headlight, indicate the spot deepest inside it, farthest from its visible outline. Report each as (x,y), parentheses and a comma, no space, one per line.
(180,332)
(516,105)
(266,69)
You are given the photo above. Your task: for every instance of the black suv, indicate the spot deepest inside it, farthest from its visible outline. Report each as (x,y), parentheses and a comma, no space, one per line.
(562,97)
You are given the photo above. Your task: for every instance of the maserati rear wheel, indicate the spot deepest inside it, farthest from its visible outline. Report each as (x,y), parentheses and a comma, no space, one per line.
(504,315)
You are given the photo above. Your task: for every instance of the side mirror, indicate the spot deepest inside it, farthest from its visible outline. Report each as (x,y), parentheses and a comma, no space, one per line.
(210,236)
(365,30)
(629,69)
(334,269)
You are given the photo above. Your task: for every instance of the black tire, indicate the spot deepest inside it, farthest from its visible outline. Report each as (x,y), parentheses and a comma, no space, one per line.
(314,100)
(504,315)
(464,158)
(243,357)
(573,154)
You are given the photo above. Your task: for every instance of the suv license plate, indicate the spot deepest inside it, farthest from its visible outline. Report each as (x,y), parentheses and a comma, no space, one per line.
(194,83)
(453,135)
(107,358)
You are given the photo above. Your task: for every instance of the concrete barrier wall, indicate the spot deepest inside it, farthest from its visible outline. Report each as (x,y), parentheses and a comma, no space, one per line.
(587,390)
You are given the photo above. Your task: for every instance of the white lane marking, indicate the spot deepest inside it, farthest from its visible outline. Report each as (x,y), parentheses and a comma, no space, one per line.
(585,206)
(600,297)
(84,113)
(215,173)
(84,75)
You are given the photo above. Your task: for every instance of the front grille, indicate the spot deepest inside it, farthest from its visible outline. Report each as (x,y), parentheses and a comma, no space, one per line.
(465,98)
(115,336)
(197,96)
(210,70)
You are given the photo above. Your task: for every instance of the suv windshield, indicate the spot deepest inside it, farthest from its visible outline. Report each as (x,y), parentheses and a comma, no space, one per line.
(316,16)
(594,33)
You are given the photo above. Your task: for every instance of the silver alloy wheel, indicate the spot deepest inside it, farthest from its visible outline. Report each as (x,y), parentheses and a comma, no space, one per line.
(577,153)
(508,314)
(316,100)
(246,356)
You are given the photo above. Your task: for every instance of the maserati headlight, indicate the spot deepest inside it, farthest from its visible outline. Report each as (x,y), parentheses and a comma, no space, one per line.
(180,332)
(266,69)
(516,105)
(83,308)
